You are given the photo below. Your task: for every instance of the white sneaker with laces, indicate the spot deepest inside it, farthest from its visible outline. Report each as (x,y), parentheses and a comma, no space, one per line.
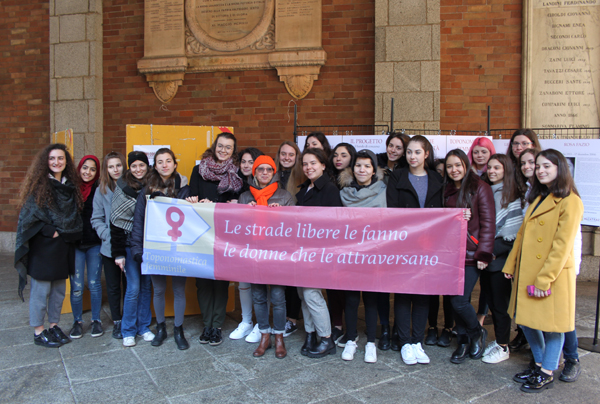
(254,335)
(370,352)
(129,341)
(408,354)
(241,331)
(496,355)
(148,336)
(490,347)
(420,354)
(349,351)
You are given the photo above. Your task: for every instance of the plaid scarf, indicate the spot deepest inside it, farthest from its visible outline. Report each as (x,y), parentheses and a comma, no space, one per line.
(225,173)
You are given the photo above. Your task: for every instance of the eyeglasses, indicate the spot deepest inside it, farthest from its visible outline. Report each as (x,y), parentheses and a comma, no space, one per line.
(264,169)
(228,148)
(523,144)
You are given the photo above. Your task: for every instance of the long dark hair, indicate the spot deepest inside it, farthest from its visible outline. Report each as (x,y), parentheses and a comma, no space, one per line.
(351,151)
(531,135)
(252,151)
(562,186)
(427,147)
(106,181)
(320,155)
(520,178)
(469,183)
(509,186)
(212,152)
(133,182)
(404,138)
(322,139)
(37,183)
(155,181)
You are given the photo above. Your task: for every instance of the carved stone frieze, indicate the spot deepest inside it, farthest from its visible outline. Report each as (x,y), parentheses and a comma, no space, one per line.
(165,85)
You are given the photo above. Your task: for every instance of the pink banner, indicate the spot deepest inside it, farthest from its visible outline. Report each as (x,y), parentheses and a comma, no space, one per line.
(419,251)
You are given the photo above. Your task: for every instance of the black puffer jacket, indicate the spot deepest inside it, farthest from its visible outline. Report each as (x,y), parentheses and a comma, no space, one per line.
(137,233)
(482,225)
(401,193)
(324,193)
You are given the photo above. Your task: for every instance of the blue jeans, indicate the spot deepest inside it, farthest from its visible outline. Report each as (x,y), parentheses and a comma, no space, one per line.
(138,296)
(92,259)
(261,307)
(570,346)
(545,346)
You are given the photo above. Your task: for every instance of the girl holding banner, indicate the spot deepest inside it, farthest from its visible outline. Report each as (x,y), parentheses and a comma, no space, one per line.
(464,189)
(138,295)
(318,190)
(215,179)
(162,181)
(362,186)
(543,267)
(265,191)
(418,186)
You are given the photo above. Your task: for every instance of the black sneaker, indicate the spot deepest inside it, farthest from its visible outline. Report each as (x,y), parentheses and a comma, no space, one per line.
(215,337)
(290,328)
(205,337)
(116,334)
(445,338)
(59,335)
(432,336)
(570,371)
(336,334)
(46,339)
(97,330)
(77,330)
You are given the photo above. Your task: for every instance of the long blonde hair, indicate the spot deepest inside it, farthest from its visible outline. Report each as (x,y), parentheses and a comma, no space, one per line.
(297,176)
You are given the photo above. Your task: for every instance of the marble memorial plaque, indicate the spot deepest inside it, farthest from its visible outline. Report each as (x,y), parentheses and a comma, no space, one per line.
(164,28)
(298,22)
(561,64)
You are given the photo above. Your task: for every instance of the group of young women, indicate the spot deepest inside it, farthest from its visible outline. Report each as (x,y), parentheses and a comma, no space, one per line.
(523,215)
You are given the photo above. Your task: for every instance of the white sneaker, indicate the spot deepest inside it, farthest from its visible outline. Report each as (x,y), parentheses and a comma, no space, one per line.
(498,354)
(148,336)
(370,352)
(254,335)
(241,331)
(408,354)
(349,351)
(420,354)
(129,341)
(490,347)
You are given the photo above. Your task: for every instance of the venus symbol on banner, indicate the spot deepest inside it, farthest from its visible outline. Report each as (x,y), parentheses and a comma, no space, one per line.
(180,224)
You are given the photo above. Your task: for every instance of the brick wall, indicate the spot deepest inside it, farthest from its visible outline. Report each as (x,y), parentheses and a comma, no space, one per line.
(481,63)
(254,102)
(24,100)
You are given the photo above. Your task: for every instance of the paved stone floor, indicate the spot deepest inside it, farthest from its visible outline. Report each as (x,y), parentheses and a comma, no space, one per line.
(100,370)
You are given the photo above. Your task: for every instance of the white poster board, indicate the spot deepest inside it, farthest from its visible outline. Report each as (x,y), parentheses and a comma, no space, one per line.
(150,150)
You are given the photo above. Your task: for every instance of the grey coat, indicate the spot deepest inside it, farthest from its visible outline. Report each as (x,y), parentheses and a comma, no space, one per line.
(281,196)
(101,219)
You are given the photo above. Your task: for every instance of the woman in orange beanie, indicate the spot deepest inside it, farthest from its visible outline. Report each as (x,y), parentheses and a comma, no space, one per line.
(265,191)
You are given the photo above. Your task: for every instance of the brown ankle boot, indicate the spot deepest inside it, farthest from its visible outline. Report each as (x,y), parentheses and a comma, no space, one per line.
(280,351)
(265,343)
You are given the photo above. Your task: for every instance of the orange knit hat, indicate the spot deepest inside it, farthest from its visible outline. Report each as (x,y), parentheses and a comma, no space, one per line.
(263,160)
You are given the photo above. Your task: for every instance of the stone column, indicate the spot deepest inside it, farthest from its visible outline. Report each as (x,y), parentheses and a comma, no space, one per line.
(407,63)
(76,72)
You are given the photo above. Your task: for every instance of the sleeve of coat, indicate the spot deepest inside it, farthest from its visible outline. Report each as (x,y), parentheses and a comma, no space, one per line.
(391,192)
(137,233)
(99,218)
(334,198)
(487,223)
(511,262)
(288,201)
(194,182)
(571,213)
(118,242)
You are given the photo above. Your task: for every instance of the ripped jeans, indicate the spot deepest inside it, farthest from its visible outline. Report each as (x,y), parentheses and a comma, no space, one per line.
(91,259)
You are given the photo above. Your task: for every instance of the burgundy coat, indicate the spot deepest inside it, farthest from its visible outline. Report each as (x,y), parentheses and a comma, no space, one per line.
(482,225)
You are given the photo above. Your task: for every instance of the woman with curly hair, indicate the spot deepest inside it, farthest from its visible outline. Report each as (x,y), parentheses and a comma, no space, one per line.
(49,226)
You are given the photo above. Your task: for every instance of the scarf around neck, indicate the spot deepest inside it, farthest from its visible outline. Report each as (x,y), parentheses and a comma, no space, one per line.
(372,196)
(263,195)
(225,173)
(86,187)
(509,219)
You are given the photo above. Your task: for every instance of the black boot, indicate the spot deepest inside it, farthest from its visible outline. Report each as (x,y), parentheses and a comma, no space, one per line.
(326,347)
(309,343)
(478,344)
(384,340)
(395,339)
(462,350)
(519,342)
(161,334)
(179,337)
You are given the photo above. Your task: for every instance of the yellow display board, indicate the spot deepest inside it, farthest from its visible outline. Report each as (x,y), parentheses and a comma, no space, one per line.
(65,137)
(188,143)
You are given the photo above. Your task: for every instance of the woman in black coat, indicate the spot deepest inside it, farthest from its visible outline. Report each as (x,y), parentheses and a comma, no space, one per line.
(318,190)
(48,228)
(215,179)
(417,186)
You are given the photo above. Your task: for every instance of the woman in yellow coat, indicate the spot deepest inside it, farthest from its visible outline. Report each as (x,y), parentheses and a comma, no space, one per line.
(542,256)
